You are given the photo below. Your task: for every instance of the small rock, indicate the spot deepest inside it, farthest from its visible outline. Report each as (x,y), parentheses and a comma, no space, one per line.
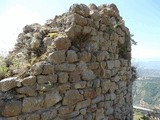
(90,93)
(85,56)
(74,76)
(69,116)
(100,114)
(117,63)
(93,65)
(109,111)
(110,64)
(98,99)
(113,96)
(107,74)
(88,75)
(83,104)
(80,85)
(102,56)
(48,115)
(105,86)
(81,66)
(64,87)
(83,111)
(63,77)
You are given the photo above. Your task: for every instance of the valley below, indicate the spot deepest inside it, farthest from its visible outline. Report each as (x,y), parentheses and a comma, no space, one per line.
(146,88)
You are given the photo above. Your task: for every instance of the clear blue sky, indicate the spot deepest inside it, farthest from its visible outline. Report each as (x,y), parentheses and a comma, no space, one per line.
(142,17)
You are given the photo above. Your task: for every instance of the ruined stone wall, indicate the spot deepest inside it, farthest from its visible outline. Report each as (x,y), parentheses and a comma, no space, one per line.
(82,72)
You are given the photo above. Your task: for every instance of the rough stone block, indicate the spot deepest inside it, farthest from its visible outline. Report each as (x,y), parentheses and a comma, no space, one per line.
(80,20)
(98,99)
(63,77)
(31,80)
(64,87)
(52,98)
(48,69)
(80,85)
(81,9)
(47,79)
(85,56)
(62,43)
(27,90)
(57,57)
(49,115)
(105,86)
(33,117)
(83,104)
(71,56)
(88,75)
(90,93)
(65,110)
(86,30)
(12,108)
(72,97)
(36,69)
(100,114)
(74,76)
(70,115)
(31,104)
(8,83)
(110,64)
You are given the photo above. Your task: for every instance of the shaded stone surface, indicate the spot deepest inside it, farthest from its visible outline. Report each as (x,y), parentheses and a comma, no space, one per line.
(12,108)
(31,104)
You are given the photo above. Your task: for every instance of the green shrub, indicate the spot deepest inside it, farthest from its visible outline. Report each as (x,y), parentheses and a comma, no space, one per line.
(3,72)
(3,68)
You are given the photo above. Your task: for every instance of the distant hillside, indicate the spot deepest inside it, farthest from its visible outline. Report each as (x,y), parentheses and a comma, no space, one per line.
(146,89)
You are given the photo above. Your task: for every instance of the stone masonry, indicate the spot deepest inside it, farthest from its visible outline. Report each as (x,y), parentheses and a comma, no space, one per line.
(83,72)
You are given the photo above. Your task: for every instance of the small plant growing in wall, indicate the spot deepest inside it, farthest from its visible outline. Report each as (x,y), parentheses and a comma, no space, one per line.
(132,40)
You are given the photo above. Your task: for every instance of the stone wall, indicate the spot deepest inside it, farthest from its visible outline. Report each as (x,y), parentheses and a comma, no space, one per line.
(82,70)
